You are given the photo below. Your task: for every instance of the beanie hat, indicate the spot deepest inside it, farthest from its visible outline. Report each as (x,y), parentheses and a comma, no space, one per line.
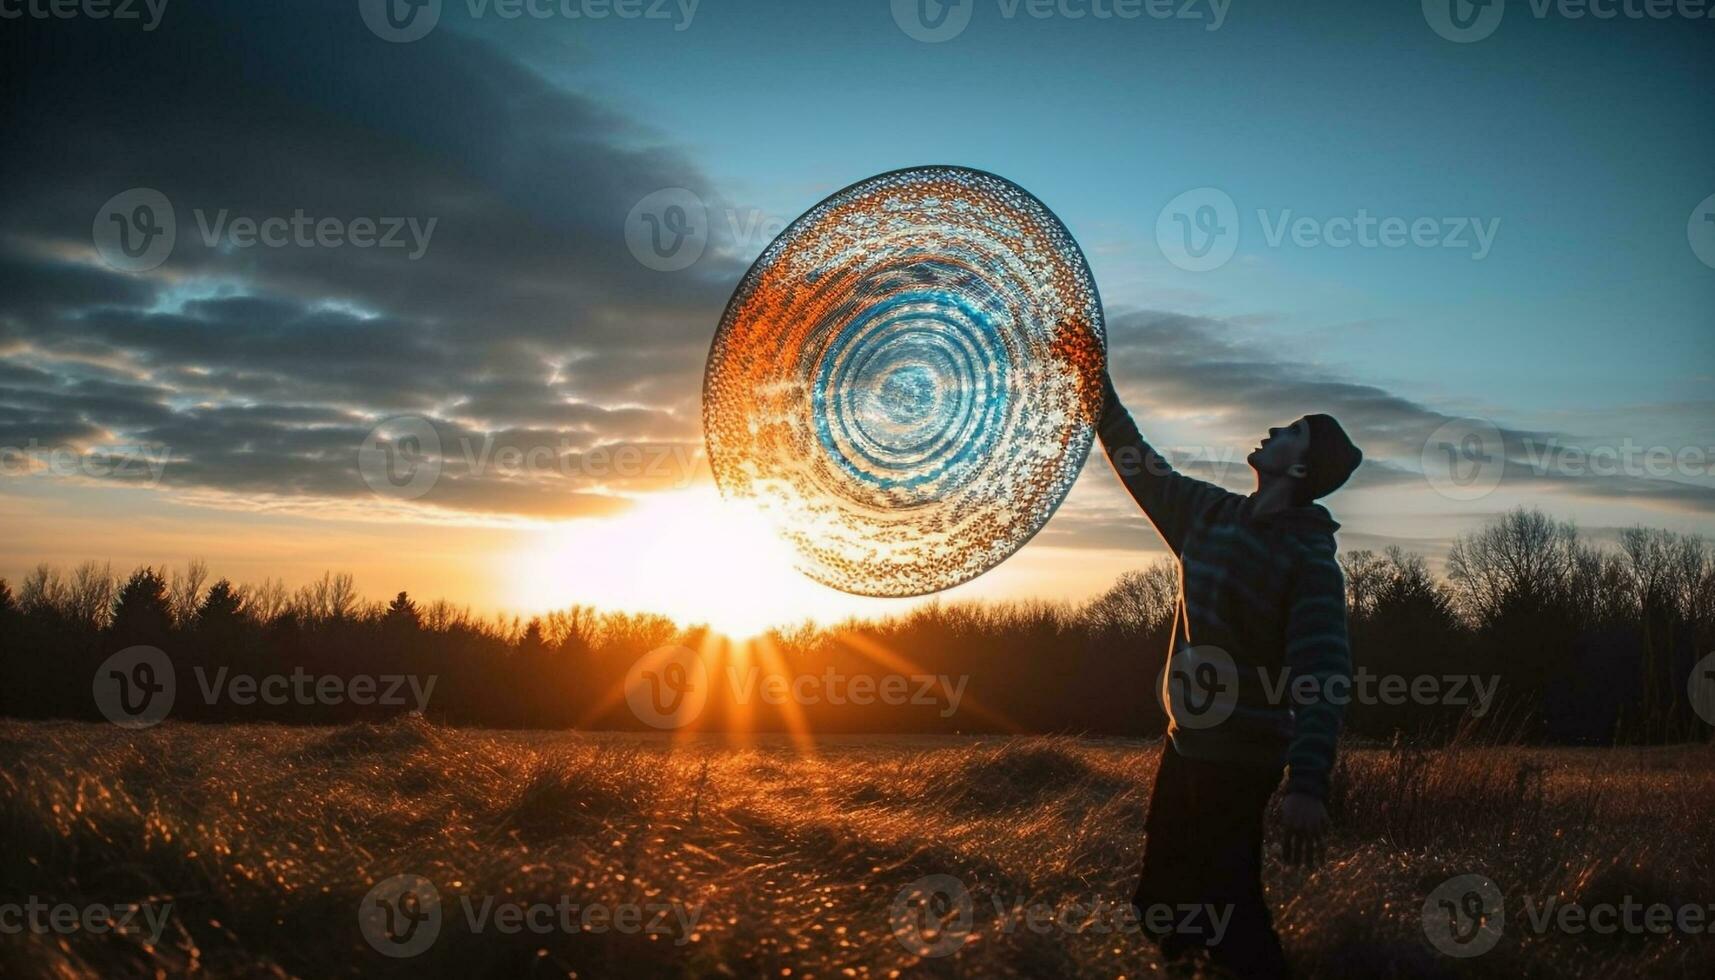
(1330,459)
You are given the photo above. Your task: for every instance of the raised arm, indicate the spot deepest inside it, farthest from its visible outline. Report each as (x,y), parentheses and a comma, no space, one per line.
(1169,498)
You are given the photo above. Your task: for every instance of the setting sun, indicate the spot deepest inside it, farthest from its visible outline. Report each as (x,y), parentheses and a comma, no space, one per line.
(687,554)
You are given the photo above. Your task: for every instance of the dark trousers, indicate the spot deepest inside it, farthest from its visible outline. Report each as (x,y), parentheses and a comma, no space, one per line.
(1202,864)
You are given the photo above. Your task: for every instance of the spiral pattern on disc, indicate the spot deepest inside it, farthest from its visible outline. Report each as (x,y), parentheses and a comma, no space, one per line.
(906,380)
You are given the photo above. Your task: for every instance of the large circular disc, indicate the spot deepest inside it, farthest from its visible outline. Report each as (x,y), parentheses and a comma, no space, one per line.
(906,381)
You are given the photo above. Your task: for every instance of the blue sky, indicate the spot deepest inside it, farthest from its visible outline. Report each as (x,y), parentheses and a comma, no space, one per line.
(1589,141)
(1582,145)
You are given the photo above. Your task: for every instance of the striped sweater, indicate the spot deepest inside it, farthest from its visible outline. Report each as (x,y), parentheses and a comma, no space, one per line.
(1265,590)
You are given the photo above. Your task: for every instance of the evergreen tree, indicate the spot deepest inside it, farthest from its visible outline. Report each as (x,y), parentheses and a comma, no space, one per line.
(221,608)
(402,614)
(143,613)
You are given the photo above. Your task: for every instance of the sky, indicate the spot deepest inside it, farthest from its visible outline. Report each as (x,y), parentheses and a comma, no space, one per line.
(1439,234)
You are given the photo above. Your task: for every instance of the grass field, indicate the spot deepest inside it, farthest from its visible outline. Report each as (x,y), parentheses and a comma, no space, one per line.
(261,845)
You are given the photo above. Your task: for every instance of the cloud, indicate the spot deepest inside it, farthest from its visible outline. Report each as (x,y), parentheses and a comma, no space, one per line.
(525,326)
(526,321)
(1221,381)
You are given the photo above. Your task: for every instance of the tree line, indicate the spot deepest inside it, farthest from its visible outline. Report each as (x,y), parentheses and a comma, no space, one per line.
(1581,642)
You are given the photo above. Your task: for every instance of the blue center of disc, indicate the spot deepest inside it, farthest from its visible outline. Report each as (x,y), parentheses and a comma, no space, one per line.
(911,391)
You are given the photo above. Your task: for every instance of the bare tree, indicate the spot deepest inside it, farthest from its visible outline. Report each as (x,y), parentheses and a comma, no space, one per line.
(1599,587)
(1521,560)
(442,616)
(266,602)
(1366,573)
(1697,584)
(185,591)
(342,596)
(1691,568)
(330,598)
(1649,563)
(44,592)
(89,598)
(1138,600)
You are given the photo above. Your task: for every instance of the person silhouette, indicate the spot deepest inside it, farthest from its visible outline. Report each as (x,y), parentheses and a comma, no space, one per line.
(1262,599)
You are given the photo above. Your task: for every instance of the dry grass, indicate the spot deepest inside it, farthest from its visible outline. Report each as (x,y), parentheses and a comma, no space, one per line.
(265,840)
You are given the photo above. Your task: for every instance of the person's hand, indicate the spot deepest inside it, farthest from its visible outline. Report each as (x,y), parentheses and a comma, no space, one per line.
(1304,824)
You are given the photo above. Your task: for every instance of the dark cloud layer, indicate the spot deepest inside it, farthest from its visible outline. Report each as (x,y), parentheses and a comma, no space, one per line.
(526,320)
